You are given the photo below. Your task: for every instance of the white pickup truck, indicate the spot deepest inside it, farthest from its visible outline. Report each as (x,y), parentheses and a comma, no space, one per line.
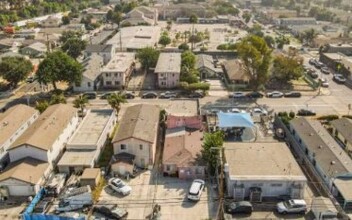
(323,209)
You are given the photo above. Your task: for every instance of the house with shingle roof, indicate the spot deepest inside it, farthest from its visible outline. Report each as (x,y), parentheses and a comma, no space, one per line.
(206,66)
(91,76)
(46,137)
(138,133)
(24,177)
(13,123)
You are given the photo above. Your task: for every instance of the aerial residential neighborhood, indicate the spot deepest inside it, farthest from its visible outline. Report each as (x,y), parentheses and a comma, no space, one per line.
(175,110)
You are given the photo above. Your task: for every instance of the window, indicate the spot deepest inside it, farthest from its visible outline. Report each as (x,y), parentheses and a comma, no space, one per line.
(198,170)
(108,83)
(107,74)
(168,168)
(115,74)
(300,141)
(276,184)
(88,84)
(117,83)
(123,147)
(161,74)
(173,75)
(140,147)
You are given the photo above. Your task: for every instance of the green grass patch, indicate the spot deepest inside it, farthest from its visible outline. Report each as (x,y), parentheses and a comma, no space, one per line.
(106,155)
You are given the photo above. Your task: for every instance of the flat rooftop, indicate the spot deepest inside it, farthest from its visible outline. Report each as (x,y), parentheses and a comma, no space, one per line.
(120,62)
(169,63)
(182,107)
(77,158)
(91,128)
(261,161)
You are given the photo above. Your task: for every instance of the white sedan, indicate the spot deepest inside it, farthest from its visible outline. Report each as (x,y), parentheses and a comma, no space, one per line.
(119,186)
(259,111)
(274,94)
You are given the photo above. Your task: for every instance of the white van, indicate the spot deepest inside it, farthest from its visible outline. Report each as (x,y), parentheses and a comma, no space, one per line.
(196,190)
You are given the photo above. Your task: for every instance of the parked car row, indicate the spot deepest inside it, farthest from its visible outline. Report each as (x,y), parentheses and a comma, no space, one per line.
(273,94)
(291,206)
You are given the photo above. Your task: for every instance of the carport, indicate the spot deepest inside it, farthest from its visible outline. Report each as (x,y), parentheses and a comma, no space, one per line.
(237,126)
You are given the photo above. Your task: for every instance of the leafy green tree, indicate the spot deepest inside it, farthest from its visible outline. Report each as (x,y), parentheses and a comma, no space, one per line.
(41,106)
(65,20)
(246,17)
(188,59)
(58,66)
(74,47)
(164,39)
(212,145)
(57,99)
(281,41)
(66,35)
(256,56)
(309,36)
(183,46)
(148,57)
(80,102)
(188,72)
(15,69)
(256,30)
(115,100)
(286,68)
(193,19)
(270,41)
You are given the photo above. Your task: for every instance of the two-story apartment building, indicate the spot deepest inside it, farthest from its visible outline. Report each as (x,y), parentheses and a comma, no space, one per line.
(91,76)
(13,123)
(137,134)
(168,70)
(118,70)
(106,51)
(46,138)
(329,160)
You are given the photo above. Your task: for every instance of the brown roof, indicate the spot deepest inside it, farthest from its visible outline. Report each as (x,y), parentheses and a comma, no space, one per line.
(90,173)
(182,147)
(236,70)
(46,129)
(12,119)
(27,170)
(140,122)
(344,127)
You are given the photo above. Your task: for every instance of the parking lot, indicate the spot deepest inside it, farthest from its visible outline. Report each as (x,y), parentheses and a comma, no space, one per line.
(169,193)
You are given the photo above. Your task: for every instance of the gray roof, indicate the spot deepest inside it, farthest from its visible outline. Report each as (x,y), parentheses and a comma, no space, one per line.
(140,122)
(91,129)
(77,158)
(169,63)
(98,48)
(207,61)
(120,62)
(92,66)
(38,46)
(344,127)
(259,161)
(323,145)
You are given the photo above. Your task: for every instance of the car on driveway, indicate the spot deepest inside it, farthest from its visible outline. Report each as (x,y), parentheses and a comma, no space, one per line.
(167,95)
(259,111)
(338,78)
(254,95)
(237,95)
(196,189)
(293,94)
(239,207)
(325,70)
(149,95)
(274,94)
(111,211)
(292,206)
(90,95)
(306,112)
(119,186)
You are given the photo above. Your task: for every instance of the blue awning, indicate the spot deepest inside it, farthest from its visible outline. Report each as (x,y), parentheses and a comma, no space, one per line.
(230,120)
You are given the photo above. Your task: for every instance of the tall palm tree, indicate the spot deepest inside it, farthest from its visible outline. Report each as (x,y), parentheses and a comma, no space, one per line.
(80,102)
(115,100)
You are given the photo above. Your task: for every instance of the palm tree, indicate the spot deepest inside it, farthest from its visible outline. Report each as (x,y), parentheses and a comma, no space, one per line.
(115,100)
(80,102)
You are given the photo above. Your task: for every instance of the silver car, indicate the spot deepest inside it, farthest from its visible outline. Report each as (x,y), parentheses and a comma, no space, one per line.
(292,206)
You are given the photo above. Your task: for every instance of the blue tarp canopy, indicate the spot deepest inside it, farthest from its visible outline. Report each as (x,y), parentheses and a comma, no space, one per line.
(230,120)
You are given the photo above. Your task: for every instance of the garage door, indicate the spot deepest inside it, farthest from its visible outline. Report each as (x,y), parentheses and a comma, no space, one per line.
(24,190)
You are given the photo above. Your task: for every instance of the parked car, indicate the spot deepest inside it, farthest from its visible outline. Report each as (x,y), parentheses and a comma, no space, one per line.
(293,94)
(338,78)
(306,112)
(149,95)
(119,186)
(129,95)
(238,95)
(312,73)
(111,211)
(196,190)
(106,95)
(325,70)
(259,111)
(90,95)
(168,95)
(274,94)
(292,206)
(312,61)
(196,94)
(234,110)
(319,64)
(30,79)
(324,82)
(239,207)
(254,95)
